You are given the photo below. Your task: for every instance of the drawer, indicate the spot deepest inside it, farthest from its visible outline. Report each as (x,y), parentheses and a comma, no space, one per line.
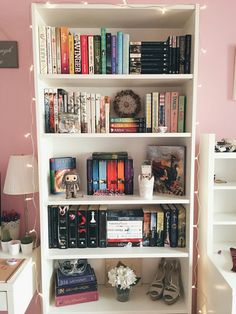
(3,301)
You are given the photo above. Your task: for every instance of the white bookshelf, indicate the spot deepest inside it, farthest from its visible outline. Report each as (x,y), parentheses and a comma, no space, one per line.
(217,226)
(142,22)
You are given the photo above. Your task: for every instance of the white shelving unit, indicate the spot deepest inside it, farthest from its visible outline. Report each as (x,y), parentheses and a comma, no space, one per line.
(142,22)
(217,228)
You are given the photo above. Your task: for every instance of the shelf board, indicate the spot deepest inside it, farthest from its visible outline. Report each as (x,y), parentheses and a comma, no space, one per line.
(118,252)
(225,155)
(139,302)
(115,135)
(223,262)
(225,186)
(116,200)
(115,80)
(224,219)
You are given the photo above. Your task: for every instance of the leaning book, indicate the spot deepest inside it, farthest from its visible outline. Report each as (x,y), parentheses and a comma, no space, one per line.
(168,167)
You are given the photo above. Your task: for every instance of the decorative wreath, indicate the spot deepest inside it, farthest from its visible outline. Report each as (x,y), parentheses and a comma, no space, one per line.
(127,104)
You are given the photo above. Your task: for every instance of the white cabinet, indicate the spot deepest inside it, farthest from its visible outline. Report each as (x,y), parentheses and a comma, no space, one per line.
(217,226)
(142,22)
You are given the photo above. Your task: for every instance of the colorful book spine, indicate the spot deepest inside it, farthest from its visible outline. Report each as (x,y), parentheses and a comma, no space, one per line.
(113,54)
(63,227)
(187,64)
(58,49)
(76,298)
(102,115)
(174,111)
(155,111)
(109,155)
(71,53)
(173,226)
(61,291)
(146,226)
(102,226)
(95,175)
(127,120)
(161,115)
(125,67)
(103,50)
(43,50)
(167,224)
(67,280)
(83,113)
(90,54)
(181,54)
(64,50)
(82,226)
(119,52)
(97,112)
(167,111)
(46,110)
(54,50)
(181,113)
(107,101)
(84,54)
(108,54)
(102,166)
(160,227)
(55,111)
(93,112)
(77,108)
(92,226)
(51,110)
(129,176)
(97,54)
(77,54)
(181,225)
(121,175)
(153,228)
(89,176)
(148,112)
(126,130)
(112,175)
(72,226)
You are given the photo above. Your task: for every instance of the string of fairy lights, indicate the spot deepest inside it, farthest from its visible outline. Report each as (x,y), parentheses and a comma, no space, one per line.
(30,135)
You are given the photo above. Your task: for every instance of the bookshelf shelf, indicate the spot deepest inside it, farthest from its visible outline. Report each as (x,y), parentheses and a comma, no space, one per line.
(138,252)
(143,23)
(108,305)
(217,226)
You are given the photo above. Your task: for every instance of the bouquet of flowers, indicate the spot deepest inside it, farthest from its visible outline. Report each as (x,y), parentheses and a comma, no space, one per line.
(122,277)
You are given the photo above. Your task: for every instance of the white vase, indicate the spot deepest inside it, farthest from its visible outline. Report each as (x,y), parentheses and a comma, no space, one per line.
(146,187)
(14,247)
(27,248)
(5,246)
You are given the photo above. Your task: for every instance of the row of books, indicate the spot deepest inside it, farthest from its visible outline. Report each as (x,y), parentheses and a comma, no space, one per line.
(62,51)
(76,287)
(96,226)
(75,111)
(165,109)
(110,173)
(172,56)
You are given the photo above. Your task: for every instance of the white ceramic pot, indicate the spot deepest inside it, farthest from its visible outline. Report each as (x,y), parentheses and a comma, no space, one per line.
(5,246)
(14,247)
(27,248)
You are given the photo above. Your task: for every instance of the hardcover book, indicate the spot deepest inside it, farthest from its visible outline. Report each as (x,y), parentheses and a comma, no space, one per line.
(92,226)
(67,280)
(102,226)
(53,227)
(168,167)
(173,226)
(129,176)
(63,227)
(181,225)
(58,167)
(72,226)
(82,226)
(78,288)
(76,298)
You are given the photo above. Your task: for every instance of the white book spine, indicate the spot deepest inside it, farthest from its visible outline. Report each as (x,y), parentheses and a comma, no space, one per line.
(43,50)
(97,113)
(88,106)
(54,50)
(125,53)
(93,114)
(56,114)
(84,121)
(77,109)
(155,111)
(49,48)
(70,107)
(107,114)
(91,54)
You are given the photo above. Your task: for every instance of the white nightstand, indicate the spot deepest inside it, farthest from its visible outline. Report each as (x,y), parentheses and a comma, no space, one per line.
(17,292)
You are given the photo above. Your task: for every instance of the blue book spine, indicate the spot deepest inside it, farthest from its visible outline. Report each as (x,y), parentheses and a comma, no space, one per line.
(90,176)
(113,54)
(119,52)
(95,175)
(61,163)
(103,50)
(63,280)
(125,58)
(102,174)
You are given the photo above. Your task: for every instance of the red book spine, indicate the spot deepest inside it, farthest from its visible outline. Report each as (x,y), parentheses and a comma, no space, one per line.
(76,298)
(112,175)
(64,50)
(121,175)
(84,54)
(174,99)
(126,130)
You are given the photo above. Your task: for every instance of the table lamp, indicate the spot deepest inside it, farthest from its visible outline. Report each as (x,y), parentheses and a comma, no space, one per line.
(22,179)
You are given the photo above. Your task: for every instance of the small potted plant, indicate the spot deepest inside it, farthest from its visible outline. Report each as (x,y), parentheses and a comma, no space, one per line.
(5,239)
(27,244)
(122,278)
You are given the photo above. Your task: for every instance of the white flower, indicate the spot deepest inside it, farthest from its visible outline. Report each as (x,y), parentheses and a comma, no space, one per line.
(122,277)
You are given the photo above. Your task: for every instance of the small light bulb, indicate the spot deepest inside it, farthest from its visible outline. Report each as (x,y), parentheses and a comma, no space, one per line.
(33,98)
(195,192)
(29,166)
(196,158)
(197,123)
(200,311)
(193,286)
(30,26)
(198,256)
(203,50)
(31,68)
(163,10)
(27,135)
(203,7)
(194,226)
(199,85)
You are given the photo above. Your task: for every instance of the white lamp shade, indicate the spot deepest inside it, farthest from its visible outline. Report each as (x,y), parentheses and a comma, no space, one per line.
(22,175)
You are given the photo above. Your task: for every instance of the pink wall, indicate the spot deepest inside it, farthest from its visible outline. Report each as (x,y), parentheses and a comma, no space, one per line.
(215,105)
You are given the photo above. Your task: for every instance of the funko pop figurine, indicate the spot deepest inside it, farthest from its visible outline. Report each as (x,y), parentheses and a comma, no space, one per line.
(71,182)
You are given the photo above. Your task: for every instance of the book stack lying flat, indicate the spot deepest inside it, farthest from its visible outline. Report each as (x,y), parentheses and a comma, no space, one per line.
(75,288)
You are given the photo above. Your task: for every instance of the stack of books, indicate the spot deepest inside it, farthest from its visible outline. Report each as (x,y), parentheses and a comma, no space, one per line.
(109,173)
(76,288)
(127,125)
